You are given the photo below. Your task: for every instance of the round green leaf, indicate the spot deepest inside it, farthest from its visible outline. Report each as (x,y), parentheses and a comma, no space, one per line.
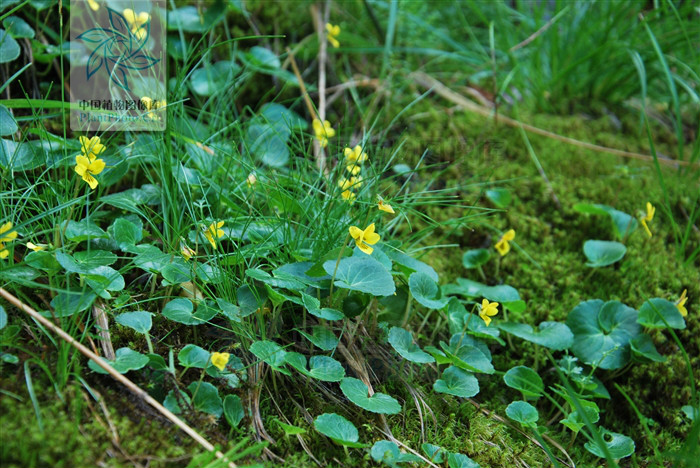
(619,446)
(94,258)
(233,410)
(357,392)
(339,429)
(457,382)
(552,335)
(3,317)
(271,353)
(475,258)
(434,453)
(262,57)
(623,224)
(388,452)
(67,303)
(499,196)
(603,253)
(9,49)
(426,291)
(180,310)
(8,125)
(126,233)
(125,361)
(402,342)
(205,398)
(322,368)
(18,28)
(42,260)
(322,338)
(602,332)
(652,310)
(193,356)
(361,274)
(643,349)
(525,380)
(575,422)
(139,321)
(172,404)
(469,358)
(523,412)
(458,460)
(410,264)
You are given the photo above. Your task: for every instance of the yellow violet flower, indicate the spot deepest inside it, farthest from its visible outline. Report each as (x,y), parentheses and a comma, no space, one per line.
(323,131)
(94,6)
(136,21)
(363,239)
(356,182)
(344,183)
(488,310)
(333,33)
(6,233)
(503,245)
(87,169)
(219,360)
(385,207)
(34,247)
(353,168)
(348,196)
(355,155)
(214,231)
(649,216)
(680,305)
(186,252)
(91,147)
(152,105)
(4,253)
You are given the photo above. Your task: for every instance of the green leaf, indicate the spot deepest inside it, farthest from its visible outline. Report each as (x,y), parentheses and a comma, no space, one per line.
(603,253)
(623,224)
(690,412)
(402,342)
(102,279)
(78,231)
(250,299)
(499,196)
(18,28)
(94,258)
(139,321)
(231,311)
(411,264)
(322,368)
(357,392)
(125,360)
(575,422)
(526,380)
(269,144)
(172,404)
(619,446)
(8,125)
(180,310)
(289,429)
(426,291)
(500,293)
(388,452)
(602,332)
(194,356)
(271,353)
(126,233)
(233,410)
(434,453)
(262,57)
(469,358)
(177,272)
(459,319)
(208,80)
(150,258)
(552,335)
(3,317)
(338,429)
(643,349)
(523,412)
(67,303)
(361,274)
(42,260)
(458,460)
(9,49)
(322,338)
(205,398)
(475,258)
(653,309)
(457,382)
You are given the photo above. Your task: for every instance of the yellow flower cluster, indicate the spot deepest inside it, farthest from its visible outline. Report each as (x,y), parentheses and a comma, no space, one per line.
(323,131)
(136,22)
(332,33)
(6,235)
(87,163)
(353,165)
(152,106)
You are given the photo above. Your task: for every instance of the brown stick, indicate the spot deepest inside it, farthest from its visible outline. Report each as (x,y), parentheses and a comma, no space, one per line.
(428,81)
(116,375)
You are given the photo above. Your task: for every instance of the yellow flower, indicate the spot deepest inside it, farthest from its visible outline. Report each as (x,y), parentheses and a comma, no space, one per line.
(503,245)
(353,168)
(348,196)
(385,207)
(355,155)
(91,147)
(186,252)
(344,183)
(3,251)
(34,247)
(333,33)
(94,6)
(251,179)
(219,360)
(488,310)
(152,105)
(136,21)
(323,131)
(680,305)
(365,238)
(86,169)
(214,231)
(6,234)
(648,217)
(356,182)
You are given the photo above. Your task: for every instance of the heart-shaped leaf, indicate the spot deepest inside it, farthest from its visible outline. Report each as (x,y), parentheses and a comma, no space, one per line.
(205,398)
(322,368)
(457,382)
(362,274)
(388,452)
(139,321)
(469,358)
(602,332)
(575,422)
(652,310)
(603,253)
(523,412)
(623,224)
(357,392)
(338,429)
(402,342)
(125,360)
(322,337)
(194,356)
(643,349)
(475,258)
(410,264)
(233,410)
(180,310)
(552,335)
(126,233)
(526,380)
(271,353)
(619,446)
(459,460)
(499,196)
(434,453)
(426,291)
